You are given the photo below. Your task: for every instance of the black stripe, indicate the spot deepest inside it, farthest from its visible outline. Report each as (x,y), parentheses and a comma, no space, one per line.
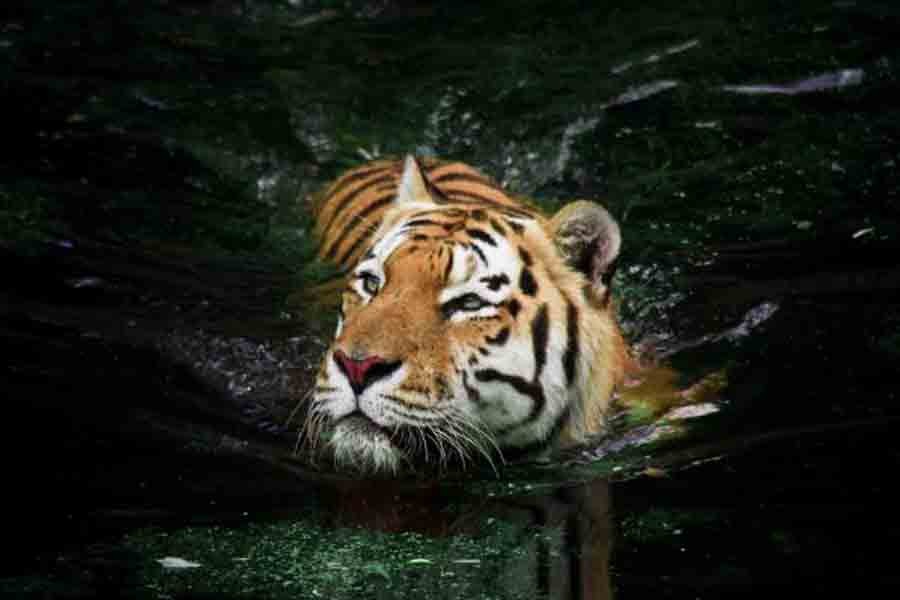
(449,268)
(512,211)
(540,338)
(518,228)
(422,223)
(355,222)
(352,195)
(513,306)
(356,176)
(572,346)
(479,215)
(526,388)
(498,227)
(436,194)
(482,236)
(472,198)
(474,394)
(499,339)
(449,212)
(462,176)
(532,389)
(364,237)
(495,282)
(526,257)
(527,283)
(479,252)
(390,186)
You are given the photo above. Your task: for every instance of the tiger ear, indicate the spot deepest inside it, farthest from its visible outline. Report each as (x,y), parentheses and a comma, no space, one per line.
(588,239)
(413,187)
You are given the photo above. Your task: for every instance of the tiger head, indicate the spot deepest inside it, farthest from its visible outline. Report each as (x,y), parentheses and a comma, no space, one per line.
(470,330)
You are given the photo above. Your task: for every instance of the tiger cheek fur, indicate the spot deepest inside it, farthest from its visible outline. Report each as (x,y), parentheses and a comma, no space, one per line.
(467,327)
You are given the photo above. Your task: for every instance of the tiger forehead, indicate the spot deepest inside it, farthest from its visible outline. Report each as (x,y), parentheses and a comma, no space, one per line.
(433,255)
(458,225)
(428,262)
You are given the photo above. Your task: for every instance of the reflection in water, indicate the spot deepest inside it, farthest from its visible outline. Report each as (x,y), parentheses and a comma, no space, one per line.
(554,544)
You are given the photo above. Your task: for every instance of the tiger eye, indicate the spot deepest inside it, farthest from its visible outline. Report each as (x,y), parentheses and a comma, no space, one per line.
(369,283)
(472,302)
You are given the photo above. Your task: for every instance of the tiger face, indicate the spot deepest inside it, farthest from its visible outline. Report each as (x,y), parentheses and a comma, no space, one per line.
(465,333)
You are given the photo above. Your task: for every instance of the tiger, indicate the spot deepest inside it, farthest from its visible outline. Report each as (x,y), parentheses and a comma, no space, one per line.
(472,328)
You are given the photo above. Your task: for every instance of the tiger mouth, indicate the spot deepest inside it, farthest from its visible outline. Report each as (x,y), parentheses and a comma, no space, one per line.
(360,424)
(361,444)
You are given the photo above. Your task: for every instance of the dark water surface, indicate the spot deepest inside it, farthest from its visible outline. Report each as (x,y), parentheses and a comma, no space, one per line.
(158,331)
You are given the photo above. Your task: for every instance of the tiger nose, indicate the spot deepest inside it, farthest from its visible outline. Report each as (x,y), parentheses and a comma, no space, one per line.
(363,372)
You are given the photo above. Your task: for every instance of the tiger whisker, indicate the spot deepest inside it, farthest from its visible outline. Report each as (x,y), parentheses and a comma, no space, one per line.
(306,398)
(452,432)
(473,434)
(310,433)
(424,442)
(436,436)
(478,431)
(453,442)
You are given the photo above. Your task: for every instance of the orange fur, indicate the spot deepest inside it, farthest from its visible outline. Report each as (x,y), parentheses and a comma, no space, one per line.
(404,320)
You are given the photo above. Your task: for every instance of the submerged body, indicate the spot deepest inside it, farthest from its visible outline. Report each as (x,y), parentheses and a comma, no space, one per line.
(471,325)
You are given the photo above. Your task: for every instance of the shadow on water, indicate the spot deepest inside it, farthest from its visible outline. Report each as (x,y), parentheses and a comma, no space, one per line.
(154,257)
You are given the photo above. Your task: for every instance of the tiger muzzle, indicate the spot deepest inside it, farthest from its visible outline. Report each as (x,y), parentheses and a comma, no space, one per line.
(361,373)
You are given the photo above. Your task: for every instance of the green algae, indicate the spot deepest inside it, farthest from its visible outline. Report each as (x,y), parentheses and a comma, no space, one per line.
(301,559)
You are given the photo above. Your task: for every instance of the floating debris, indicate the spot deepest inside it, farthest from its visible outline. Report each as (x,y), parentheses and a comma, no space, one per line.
(85,282)
(679,48)
(641,92)
(834,80)
(150,101)
(173,562)
(325,15)
(655,57)
(752,319)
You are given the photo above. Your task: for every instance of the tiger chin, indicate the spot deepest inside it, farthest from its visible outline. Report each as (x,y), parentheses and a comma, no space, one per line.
(472,328)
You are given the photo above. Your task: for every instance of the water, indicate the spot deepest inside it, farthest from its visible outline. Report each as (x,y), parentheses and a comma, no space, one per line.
(774,518)
(159,325)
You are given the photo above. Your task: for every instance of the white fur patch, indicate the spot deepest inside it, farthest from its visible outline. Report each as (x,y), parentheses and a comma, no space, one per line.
(363,451)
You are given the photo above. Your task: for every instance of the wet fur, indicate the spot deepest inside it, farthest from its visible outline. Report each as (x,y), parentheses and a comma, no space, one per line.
(531,370)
